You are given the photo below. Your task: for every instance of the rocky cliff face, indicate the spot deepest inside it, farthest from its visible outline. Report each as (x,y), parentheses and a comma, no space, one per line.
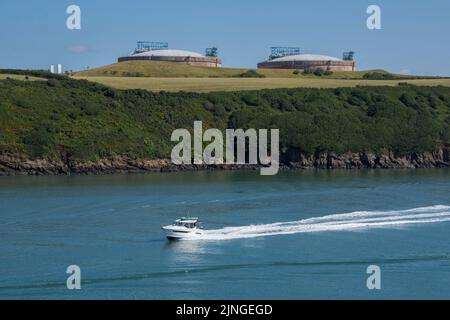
(22,165)
(440,158)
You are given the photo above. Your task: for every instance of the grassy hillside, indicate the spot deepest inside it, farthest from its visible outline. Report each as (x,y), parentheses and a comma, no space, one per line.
(159,69)
(244,84)
(64,118)
(165,76)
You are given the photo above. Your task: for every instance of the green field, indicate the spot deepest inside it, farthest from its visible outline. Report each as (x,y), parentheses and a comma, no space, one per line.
(171,70)
(166,76)
(243,84)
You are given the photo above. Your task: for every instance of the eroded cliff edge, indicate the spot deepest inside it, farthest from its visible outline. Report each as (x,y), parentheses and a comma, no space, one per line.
(11,165)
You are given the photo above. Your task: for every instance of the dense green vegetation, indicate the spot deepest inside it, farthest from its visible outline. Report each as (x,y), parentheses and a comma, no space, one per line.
(62,117)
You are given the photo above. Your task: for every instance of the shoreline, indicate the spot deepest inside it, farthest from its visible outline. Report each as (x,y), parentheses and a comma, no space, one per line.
(21,165)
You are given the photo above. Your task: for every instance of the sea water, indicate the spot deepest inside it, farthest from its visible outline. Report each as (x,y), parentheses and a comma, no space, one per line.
(297,235)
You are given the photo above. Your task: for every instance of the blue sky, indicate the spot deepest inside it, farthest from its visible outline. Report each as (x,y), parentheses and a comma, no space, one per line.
(414,38)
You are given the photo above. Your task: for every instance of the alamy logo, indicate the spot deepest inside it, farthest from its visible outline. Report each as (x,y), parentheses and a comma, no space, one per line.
(74,20)
(74,280)
(234,139)
(374,280)
(374,20)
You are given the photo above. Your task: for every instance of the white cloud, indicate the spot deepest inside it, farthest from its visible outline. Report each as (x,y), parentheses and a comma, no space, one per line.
(80,49)
(405,72)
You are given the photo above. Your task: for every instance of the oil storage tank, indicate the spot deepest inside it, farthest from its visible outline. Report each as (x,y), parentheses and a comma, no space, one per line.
(308,61)
(149,51)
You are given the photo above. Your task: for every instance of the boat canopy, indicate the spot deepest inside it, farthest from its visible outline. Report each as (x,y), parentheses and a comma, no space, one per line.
(187,221)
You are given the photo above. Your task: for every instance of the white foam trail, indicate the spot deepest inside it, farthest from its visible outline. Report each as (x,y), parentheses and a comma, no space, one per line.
(335,222)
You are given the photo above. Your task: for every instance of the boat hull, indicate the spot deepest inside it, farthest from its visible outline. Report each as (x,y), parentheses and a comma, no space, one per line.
(177,234)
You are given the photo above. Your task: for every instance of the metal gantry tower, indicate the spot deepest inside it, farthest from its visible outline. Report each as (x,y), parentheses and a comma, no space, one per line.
(278,52)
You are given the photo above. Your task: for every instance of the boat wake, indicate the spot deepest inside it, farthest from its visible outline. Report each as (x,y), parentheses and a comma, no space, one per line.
(336,222)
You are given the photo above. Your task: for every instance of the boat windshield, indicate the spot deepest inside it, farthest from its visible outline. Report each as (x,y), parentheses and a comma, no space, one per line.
(190,225)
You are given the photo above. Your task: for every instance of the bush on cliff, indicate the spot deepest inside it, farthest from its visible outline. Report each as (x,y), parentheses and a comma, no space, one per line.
(379,76)
(250,74)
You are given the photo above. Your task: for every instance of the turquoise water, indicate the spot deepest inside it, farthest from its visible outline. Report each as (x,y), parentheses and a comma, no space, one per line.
(281,237)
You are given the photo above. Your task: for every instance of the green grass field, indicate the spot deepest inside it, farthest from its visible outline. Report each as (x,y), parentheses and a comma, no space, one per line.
(159,69)
(166,76)
(243,84)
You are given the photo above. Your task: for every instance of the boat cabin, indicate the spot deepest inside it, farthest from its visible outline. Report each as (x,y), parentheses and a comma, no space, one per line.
(190,223)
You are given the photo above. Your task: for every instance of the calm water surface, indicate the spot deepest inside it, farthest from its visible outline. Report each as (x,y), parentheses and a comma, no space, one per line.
(277,237)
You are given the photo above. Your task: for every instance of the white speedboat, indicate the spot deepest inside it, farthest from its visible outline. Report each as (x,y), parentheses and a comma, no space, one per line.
(184,228)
